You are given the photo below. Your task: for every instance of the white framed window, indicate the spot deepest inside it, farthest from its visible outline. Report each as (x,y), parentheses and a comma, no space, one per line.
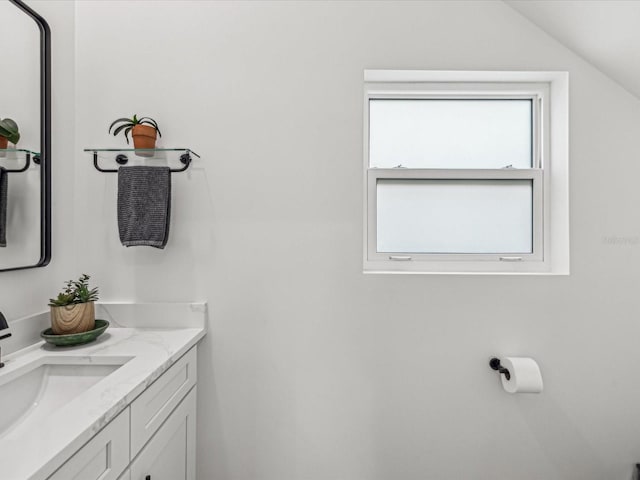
(466,172)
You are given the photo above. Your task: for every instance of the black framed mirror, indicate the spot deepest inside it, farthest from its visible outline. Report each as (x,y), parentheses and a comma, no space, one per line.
(25,163)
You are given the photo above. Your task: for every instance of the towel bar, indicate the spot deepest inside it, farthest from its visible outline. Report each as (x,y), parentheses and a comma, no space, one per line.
(121,157)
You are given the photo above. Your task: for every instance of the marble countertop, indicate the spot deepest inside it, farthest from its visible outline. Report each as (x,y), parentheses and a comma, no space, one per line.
(148,352)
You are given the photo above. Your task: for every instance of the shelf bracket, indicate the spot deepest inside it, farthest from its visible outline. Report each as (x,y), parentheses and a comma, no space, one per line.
(27,163)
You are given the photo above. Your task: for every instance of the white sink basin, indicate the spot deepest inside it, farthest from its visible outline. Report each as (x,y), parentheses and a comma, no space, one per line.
(32,392)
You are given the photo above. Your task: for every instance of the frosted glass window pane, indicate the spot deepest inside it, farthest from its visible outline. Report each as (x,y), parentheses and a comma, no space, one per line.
(450,133)
(455,216)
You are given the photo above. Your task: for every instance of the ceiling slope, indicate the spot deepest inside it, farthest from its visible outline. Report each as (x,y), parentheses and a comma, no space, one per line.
(606,33)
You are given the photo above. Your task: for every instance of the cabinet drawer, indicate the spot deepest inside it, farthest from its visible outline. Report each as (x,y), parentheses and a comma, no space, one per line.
(156,403)
(104,457)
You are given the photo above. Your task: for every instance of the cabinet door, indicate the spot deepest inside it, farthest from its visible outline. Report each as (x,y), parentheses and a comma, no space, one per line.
(104,457)
(170,454)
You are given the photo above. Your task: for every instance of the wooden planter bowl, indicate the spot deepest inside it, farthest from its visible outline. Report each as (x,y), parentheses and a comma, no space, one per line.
(144,136)
(77,318)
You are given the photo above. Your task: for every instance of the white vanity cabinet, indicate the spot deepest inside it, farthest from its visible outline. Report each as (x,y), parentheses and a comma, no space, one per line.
(151,439)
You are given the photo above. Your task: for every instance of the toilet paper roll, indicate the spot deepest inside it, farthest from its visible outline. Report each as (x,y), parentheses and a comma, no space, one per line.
(525,376)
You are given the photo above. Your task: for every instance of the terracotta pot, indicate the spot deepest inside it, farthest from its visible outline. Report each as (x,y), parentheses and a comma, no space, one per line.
(4,142)
(144,136)
(77,318)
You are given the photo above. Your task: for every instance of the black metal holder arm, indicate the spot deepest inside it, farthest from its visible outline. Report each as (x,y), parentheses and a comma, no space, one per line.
(494,363)
(27,164)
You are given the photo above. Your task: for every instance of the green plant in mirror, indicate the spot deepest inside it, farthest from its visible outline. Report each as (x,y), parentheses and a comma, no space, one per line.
(127,124)
(75,291)
(9,130)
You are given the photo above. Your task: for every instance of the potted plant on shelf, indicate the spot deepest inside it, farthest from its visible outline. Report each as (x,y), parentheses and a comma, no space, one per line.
(8,132)
(73,311)
(144,131)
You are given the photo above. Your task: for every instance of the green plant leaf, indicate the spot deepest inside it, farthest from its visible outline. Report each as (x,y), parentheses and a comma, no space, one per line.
(152,122)
(75,292)
(9,130)
(148,120)
(120,128)
(123,119)
(10,125)
(15,138)
(126,133)
(61,300)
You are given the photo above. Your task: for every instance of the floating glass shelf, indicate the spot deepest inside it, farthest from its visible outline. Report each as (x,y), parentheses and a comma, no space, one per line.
(121,156)
(19,154)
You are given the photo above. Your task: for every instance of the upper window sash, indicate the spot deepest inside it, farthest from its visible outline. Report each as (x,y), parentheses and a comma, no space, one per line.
(538,94)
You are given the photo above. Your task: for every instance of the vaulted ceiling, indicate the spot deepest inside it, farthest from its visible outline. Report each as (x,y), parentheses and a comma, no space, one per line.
(606,33)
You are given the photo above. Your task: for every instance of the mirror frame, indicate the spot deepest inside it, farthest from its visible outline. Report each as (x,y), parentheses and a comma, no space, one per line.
(45,137)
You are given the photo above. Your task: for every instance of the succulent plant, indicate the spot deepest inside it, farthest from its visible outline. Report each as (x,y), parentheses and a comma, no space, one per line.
(9,129)
(75,291)
(127,124)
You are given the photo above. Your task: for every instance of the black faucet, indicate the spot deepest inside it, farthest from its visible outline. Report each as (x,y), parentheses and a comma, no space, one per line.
(3,326)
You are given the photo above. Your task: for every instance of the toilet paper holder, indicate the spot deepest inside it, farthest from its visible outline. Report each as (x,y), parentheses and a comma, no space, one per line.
(494,363)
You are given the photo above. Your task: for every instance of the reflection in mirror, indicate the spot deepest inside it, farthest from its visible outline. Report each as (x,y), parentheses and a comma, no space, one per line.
(24,99)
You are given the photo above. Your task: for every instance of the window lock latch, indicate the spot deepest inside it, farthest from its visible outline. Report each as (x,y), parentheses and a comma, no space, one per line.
(508,166)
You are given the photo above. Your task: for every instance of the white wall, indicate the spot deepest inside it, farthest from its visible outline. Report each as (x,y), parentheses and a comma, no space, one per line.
(26,292)
(312,370)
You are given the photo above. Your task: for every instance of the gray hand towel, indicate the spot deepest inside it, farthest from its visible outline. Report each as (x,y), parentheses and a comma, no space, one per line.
(144,205)
(4,181)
